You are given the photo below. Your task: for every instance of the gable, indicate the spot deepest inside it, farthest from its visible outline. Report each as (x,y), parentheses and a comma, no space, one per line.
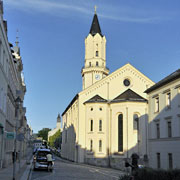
(113,85)
(129,95)
(95,99)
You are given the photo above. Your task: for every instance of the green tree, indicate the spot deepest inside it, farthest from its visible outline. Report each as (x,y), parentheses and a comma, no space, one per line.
(43,133)
(55,140)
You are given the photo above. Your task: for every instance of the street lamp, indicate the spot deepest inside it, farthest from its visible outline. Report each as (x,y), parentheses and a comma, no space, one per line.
(17,107)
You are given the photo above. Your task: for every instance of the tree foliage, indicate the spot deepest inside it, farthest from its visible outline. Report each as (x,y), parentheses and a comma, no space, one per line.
(43,133)
(55,140)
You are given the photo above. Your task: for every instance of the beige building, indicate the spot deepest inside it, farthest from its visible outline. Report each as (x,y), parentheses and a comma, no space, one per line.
(11,86)
(107,121)
(3,81)
(164,122)
(57,128)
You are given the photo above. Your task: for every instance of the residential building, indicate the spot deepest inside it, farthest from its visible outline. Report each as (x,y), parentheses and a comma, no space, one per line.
(38,143)
(12,85)
(164,122)
(4,62)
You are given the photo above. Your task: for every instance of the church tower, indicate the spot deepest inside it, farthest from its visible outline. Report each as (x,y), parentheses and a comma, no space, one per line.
(58,124)
(95,55)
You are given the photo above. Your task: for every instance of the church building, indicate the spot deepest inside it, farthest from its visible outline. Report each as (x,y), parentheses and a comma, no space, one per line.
(107,121)
(57,128)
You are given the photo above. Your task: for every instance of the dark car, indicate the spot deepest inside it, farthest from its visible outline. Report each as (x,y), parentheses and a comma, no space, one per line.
(40,159)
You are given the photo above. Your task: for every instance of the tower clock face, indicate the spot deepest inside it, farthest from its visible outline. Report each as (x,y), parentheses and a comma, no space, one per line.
(97,76)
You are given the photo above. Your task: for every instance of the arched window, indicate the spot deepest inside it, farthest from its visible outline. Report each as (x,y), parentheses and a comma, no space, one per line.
(97,64)
(91,145)
(97,53)
(100,145)
(100,125)
(135,122)
(91,125)
(120,133)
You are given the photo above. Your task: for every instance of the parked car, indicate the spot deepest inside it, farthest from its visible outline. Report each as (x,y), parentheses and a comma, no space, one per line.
(40,159)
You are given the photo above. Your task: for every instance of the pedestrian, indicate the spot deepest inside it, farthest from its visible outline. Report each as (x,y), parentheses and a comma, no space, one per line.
(49,160)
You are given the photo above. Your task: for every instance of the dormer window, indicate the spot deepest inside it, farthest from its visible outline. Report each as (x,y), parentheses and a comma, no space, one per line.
(97,53)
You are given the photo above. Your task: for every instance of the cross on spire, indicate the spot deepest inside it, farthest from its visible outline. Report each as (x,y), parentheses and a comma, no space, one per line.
(95,8)
(95,27)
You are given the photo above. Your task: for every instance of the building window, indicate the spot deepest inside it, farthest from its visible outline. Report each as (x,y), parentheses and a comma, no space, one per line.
(91,109)
(158,160)
(170,158)
(100,145)
(168,99)
(91,125)
(97,53)
(157,131)
(169,129)
(91,145)
(136,122)
(97,63)
(100,125)
(126,82)
(89,64)
(100,108)
(157,104)
(120,133)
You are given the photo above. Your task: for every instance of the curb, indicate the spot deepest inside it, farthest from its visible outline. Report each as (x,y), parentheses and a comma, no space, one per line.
(27,172)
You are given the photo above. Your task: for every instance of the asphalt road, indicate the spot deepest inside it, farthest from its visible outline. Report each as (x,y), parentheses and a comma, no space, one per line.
(65,170)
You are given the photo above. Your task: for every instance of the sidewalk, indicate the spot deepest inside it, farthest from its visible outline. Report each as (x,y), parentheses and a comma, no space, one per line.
(22,170)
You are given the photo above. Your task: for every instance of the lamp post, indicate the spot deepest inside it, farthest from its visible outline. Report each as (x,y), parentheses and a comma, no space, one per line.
(17,106)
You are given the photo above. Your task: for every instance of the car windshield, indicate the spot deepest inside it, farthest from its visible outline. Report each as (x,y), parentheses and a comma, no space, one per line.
(42,153)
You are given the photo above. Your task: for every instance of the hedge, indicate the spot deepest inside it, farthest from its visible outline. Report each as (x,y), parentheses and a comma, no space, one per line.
(151,174)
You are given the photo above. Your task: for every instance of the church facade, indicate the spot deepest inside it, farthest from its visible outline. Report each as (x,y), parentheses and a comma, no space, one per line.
(107,121)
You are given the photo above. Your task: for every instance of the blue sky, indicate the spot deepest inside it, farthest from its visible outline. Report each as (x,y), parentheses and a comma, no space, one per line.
(143,33)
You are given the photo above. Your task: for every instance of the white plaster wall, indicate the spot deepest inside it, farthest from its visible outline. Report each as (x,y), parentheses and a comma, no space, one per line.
(165,145)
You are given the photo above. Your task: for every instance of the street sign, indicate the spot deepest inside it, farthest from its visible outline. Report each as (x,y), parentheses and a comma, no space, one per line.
(10,135)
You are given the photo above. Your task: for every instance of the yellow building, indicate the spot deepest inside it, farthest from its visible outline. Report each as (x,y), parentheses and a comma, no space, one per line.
(107,121)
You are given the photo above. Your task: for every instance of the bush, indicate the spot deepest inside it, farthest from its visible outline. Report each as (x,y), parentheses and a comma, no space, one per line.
(151,174)
(125,177)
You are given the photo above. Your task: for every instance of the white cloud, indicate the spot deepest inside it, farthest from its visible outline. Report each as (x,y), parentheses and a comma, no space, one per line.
(82,7)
